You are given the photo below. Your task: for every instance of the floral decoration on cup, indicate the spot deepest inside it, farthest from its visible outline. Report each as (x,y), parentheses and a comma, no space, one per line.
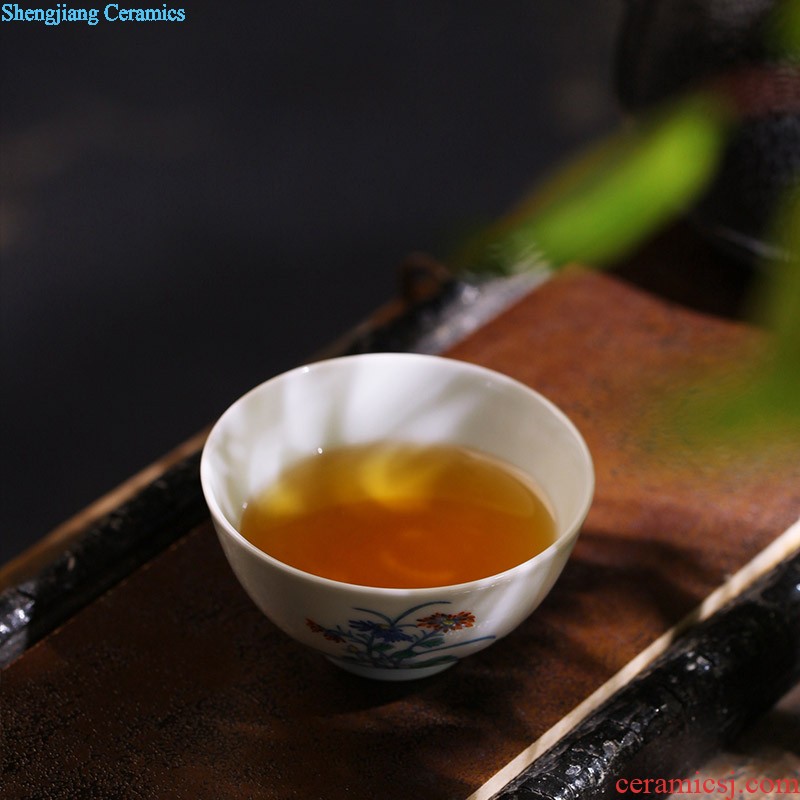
(391,643)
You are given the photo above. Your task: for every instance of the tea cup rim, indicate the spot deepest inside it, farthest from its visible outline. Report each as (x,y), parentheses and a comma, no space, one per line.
(564,539)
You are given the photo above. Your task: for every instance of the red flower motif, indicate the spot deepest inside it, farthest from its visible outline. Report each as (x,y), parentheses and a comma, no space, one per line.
(447,622)
(331,636)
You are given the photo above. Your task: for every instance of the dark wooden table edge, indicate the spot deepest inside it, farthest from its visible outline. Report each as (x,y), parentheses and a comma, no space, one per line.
(688,704)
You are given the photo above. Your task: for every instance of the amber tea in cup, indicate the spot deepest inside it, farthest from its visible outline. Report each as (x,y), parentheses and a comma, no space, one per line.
(425,506)
(400,515)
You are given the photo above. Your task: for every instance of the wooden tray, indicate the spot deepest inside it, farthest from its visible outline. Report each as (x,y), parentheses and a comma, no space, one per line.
(171,684)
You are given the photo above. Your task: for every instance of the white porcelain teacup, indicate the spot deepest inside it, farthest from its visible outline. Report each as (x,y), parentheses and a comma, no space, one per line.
(394,397)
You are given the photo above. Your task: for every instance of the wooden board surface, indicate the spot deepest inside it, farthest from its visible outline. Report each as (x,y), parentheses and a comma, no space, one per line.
(173,685)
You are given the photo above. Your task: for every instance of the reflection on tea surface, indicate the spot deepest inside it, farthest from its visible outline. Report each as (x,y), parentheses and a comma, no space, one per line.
(400,515)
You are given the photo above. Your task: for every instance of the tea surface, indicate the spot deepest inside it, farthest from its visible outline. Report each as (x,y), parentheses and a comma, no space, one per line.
(400,516)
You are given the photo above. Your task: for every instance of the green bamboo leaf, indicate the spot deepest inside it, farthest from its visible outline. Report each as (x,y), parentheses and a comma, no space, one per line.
(604,203)
(778,297)
(774,400)
(759,407)
(783,31)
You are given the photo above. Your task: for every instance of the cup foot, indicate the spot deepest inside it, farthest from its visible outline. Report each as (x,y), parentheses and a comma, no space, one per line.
(380,674)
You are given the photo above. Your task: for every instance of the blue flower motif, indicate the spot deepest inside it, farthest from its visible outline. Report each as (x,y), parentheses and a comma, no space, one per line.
(386,643)
(381,630)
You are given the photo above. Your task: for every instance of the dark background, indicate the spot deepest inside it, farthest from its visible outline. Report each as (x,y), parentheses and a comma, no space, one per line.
(190,208)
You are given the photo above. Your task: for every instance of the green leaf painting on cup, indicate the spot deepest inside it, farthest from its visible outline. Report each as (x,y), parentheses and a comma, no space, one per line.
(400,642)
